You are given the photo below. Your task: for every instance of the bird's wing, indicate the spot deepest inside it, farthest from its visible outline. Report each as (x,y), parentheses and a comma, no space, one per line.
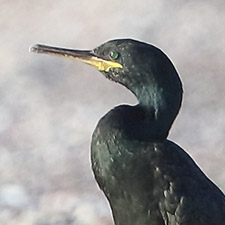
(188,196)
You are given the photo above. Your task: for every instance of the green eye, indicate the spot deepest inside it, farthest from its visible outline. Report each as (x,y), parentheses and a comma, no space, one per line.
(114,55)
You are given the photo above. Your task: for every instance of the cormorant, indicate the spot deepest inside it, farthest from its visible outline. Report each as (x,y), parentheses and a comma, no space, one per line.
(147,179)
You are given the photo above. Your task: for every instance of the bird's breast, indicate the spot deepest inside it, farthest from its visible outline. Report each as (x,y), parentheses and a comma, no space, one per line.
(128,173)
(121,152)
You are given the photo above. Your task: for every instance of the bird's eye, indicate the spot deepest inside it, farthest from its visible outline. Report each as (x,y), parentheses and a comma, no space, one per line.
(114,55)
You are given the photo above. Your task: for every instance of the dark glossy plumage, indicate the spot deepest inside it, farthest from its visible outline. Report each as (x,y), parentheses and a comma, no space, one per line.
(147,179)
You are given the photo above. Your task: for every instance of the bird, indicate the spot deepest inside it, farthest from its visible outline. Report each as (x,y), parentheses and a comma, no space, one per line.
(146,178)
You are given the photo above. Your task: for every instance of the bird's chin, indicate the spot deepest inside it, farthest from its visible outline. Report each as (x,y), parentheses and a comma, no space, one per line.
(111,75)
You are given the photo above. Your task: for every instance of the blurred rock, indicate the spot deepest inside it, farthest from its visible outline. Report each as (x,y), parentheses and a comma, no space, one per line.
(13,196)
(49,106)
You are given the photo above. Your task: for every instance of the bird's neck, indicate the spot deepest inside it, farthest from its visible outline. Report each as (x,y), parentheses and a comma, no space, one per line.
(151,99)
(163,106)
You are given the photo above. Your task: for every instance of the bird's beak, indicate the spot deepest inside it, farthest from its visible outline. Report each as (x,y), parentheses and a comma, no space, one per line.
(85,56)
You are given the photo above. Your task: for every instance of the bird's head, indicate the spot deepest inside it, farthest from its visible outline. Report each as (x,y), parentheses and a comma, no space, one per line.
(139,66)
(142,68)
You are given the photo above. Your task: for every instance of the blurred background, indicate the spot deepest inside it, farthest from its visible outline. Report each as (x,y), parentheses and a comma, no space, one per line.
(49,106)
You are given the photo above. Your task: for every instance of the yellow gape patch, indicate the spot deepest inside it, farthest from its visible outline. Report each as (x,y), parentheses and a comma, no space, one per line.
(100,64)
